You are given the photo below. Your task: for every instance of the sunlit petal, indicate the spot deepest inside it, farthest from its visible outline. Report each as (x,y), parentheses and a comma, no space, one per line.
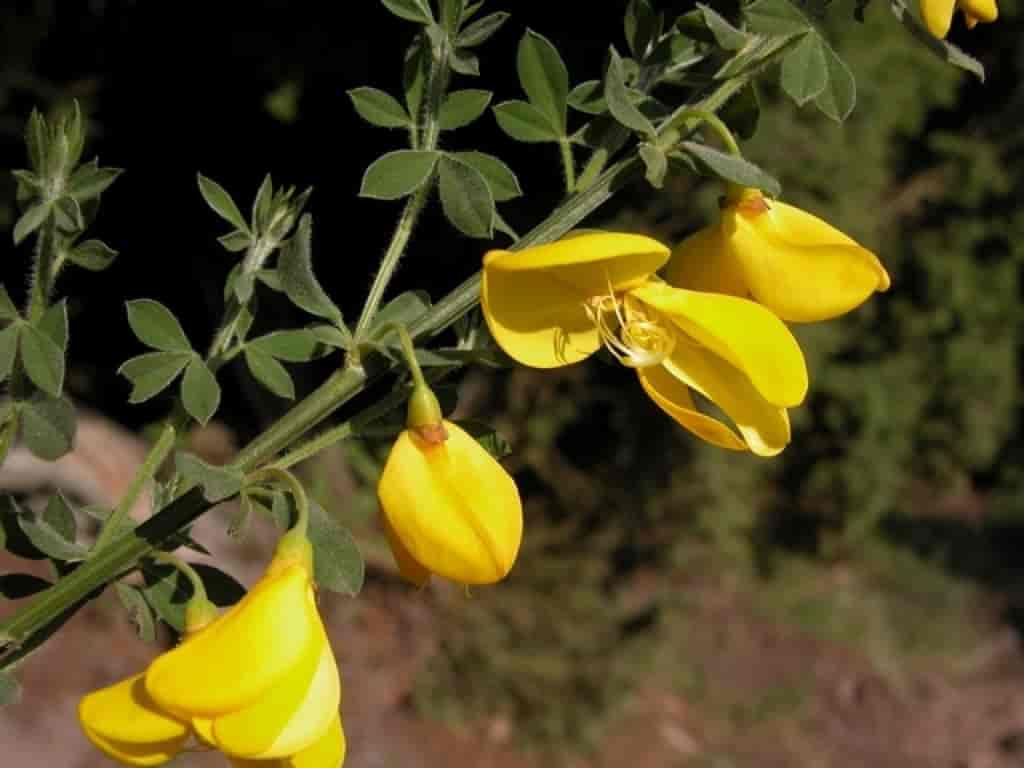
(704,262)
(673,397)
(742,332)
(453,507)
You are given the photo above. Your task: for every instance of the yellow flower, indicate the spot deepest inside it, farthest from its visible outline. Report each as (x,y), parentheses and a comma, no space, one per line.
(327,752)
(449,508)
(795,264)
(261,681)
(258,683)
(556,304)
(938,14)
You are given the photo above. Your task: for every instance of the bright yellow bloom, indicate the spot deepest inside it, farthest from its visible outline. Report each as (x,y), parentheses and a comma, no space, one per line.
(449,508)
(793,263)
(126,725)
(938,14)
(327,752)
(259,682)
(556,304)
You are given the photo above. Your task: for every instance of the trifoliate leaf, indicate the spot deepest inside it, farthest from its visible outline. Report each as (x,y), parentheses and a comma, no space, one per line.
(200,392)
(139,611)
(655,163)
(545,79)
(31,220)
(840,95)
(94,255)
(90,181)
(43,360)
(461,108)
(295,270)
(731,168)
(620,104)
(298,345)
(500,178)
(410,10)
(480,30)
(152,372)
(525,122)
(804,73)
(379,108)
(156,326)
(7,309)
(397,174)
(8,349)
(270,373)
(466,198)
(48,426)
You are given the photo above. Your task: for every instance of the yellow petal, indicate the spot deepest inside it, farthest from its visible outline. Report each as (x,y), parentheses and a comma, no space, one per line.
(291,715)
(704,262)
(244,653)
(327,752)
(673,397)
(742,332)
(533,299)
(452,506)
(797,265)
(765,427)
(984,11)
(411,570)
(938,16)
(126,724)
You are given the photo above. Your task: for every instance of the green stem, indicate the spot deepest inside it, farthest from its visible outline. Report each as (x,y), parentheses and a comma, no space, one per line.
(437,86)
(409,351)
(568,165)
(41,281)
(57,602)
(154,459)
(697,116)
(198,589)
(298,493)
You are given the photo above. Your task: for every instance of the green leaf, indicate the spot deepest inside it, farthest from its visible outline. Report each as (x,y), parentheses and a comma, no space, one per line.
(10,691)
(295,346)
(139,612)
(619,102)
(48,426)
(451,13)
(200,392)
(43,360)
(94,255)
(8,349)
(262,204)
(166,591)
(480,30)
(69,215)
(74,129)
(410,10)
(156,326)
(36,141)
(397,174)
(414,74)
(220,201)
(775,17)
(49,541)
(524,122)
(655,163)
(60,516)
(405,309)
(487,436)
(218,483)
(588,97)
(54,323)
(295,268)
(944,50)
(463,107)
(7,309)
(90,181)
(152,372)
(31,220)
(379,108)
(236,241)
(337,562)
(543,75)
(464,62)
(500,178)
(14,586)
(757,54)
(840,95)
(466,198)
(270,373)
(726,35)
(731,168)
(804,75)
(331,336)
(642,27)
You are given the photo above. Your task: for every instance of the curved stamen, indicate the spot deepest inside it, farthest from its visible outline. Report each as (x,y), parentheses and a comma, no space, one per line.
(633,334)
